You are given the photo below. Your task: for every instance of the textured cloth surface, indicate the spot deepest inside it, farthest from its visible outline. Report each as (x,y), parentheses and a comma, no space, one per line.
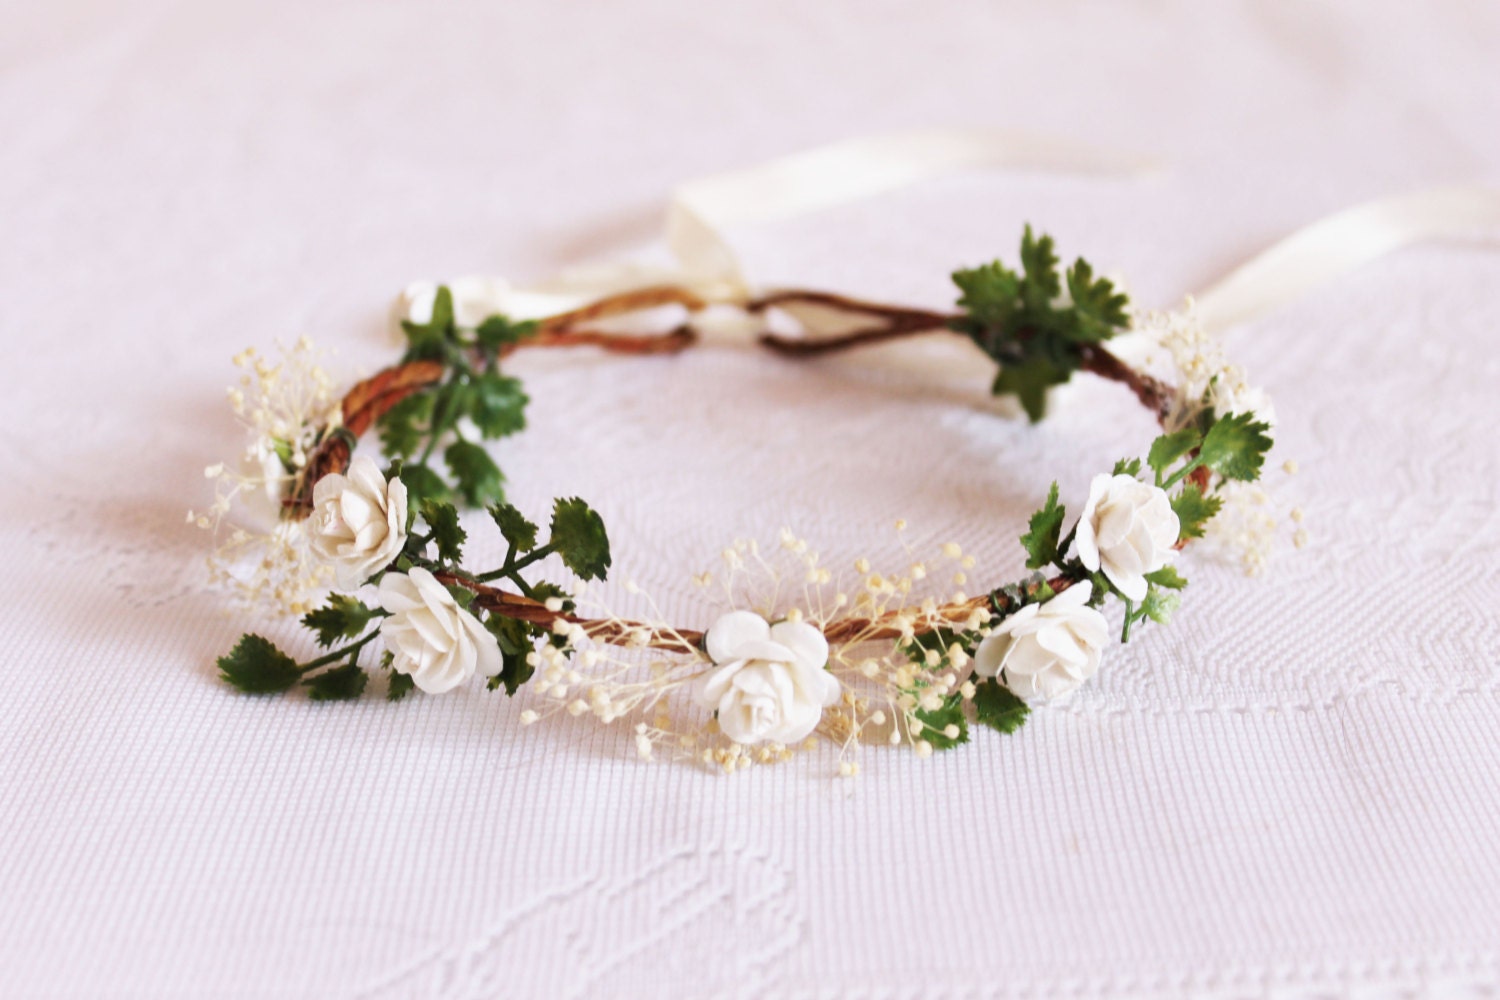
(1291,790)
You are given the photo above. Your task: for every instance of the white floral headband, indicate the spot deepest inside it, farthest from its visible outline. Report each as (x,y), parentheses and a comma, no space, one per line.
(874,661)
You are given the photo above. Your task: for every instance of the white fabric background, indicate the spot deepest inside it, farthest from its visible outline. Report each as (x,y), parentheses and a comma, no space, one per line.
(1290,791)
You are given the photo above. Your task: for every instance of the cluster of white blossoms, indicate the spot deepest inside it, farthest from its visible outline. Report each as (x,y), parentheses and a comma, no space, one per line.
(284,404)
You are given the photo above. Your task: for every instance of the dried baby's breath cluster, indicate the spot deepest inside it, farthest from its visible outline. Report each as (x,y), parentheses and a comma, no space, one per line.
(286,404)
(871,618)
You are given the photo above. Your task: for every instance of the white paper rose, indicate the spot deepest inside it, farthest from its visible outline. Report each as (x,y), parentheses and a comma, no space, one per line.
(770,684)
(1046,650)
(430,636)
(358,521)
(1127,529)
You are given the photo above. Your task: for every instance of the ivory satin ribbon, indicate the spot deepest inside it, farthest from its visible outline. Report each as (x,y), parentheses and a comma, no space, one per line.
(847,171)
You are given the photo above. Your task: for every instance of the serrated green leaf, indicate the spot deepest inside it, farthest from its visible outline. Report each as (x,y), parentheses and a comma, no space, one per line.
(516,529)
(1128,467)
(343,683)
(428,340)
(935,724)
(404,426)
(1235,446)
(497,405)
(1168,448)
(398,686)
(1167,577)
(998,707)
(1039,261)
(1099,309)
(1044,529)
(497,331)
(477,476)
(343,618)
(447,533)
(1194,510)
(1159,605)
(423,484)
(578,536)
(516,640)
(1029,380)
(256,666)
(991,293)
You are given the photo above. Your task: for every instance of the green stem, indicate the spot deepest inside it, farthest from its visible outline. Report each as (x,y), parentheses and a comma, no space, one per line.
(339,653)
(1129,613)
(1177,476)
(535,555)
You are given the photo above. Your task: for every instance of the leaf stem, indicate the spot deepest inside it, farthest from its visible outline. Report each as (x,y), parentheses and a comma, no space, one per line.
(339,653)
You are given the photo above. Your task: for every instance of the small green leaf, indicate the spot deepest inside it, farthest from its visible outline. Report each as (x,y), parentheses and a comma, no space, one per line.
(478,477)
(1168,448)
(991,293)
(1030,380)
(1040,263)
(1128,467)
(497,331)
(423,484)
(404,426)
(1045,527)
(343,618)
(1235,446)
(1098,307)
(498,406)
(428,340)
(518,531)
(936,722)
(578,536)
(997,707)
(447,533)
(1167,577)
(516,640)
(399,686)
(1159,605)
(1194,510)
(256,666)
(342,683)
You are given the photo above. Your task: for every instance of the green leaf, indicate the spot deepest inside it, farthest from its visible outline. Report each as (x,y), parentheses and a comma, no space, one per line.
(1045,527)
(1194,510)
(1235,446)
(991,293)
(578,536)
(1128,467)
(404,426)
(343,618)
(1040,263)
(342,683)
(256,666)
(1167,577)
(427,341)
(1099,309)
(1030,380)
(936,722)
(1168,448)
(423,484)
(1159,605)
(497,331)
(515,639)
(997,707)
(498,406)
(478,477)
(399,686)
(519,532)
(447,533)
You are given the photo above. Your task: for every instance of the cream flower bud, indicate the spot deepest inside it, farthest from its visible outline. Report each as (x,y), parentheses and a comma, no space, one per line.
(1127,529)
(432,638)
(770,684)
(1046,650)
(358,521)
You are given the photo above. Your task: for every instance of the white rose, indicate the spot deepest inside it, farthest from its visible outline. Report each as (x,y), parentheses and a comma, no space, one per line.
(358,521)
(770,684)
(1127,529)
(1048,649)
(431,637)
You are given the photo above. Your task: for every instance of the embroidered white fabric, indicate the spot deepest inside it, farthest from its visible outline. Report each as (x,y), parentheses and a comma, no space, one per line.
(1289,791)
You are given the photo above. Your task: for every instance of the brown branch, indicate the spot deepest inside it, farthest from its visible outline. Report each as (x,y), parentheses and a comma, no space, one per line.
(622,303)
(899,321)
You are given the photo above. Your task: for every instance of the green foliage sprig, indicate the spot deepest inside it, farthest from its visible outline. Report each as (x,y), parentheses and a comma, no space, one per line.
(473,393)
(1027,323)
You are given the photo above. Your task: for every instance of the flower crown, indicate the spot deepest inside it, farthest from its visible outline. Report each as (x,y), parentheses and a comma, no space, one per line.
(884,660)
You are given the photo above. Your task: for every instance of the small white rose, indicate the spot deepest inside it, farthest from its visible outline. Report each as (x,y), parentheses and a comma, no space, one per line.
(1046,650)
(358,521)
(430,636)
(1127,529)
(770,684)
